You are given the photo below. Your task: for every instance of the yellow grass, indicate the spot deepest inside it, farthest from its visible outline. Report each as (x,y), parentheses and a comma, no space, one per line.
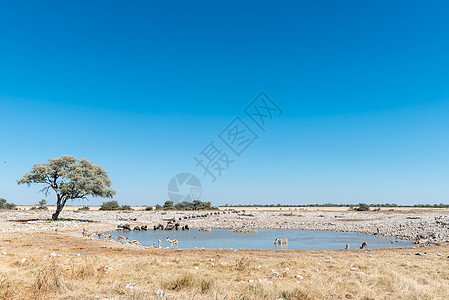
(104,269)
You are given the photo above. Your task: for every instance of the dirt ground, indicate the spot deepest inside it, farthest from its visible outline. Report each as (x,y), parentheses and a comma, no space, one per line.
(52,260)
(43,265)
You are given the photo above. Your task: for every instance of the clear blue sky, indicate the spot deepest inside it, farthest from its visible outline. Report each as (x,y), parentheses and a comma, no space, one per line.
(141,88)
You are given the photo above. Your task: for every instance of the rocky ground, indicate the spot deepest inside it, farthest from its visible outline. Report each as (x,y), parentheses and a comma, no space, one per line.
(433,225)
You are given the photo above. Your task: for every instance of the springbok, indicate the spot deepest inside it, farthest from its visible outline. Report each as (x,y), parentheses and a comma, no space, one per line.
(107,237)
(159,243)
(134,242)
(422,242)
(121,238)
(364,245)
(347,246)
(172,242)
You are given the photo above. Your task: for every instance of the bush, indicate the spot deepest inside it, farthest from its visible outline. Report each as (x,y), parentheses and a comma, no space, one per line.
(362,207)
(195,205)
(168,205)
(11,206)
(158,207)
(42,204)
(126,207)
(84,208)
(149,208)
(110,205)
(6,205)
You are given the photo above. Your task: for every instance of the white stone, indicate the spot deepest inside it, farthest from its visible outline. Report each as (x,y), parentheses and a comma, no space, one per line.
(23,260)
(53,254)
(299,277)
(160,294)
(353,269)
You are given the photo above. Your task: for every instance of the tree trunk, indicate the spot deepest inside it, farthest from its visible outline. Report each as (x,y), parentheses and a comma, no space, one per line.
(56,214)
(59,206)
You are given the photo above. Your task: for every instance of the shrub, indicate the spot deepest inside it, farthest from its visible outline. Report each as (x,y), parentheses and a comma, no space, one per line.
(6,205)
(149,208)
(42,204)
(84,208)
(11,206)
(125,207)
(362,207)
(110,205)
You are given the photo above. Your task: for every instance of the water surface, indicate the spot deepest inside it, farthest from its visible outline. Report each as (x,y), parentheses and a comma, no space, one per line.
(263,239)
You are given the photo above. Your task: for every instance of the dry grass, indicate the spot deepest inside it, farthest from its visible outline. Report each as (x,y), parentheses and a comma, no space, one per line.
(105,270)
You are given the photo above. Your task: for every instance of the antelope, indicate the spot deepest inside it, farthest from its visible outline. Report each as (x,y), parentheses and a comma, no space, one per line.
(347,246)
(422,242)
(159,243)
(108,237)
(364,245)
(172,242)
(121,237)
(134,242)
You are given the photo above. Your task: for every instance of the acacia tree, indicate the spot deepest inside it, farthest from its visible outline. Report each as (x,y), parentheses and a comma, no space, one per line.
(70,178)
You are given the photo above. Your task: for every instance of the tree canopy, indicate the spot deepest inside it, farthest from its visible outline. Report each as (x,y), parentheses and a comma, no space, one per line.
(70,179)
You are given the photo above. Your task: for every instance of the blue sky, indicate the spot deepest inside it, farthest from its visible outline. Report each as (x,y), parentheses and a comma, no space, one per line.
(142,88)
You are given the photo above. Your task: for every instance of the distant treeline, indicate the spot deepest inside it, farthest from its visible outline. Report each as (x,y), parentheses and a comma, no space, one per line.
(441,205)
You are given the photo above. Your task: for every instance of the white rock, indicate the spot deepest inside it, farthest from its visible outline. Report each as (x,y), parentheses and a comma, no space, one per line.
(259,266)
(251,281)
(299,277)
(78,254)
(23,260)
(53,254)
(196,268)
(160,294)
(316,270)
(362,273)
(3,253)
(287,269)
(297,281)
(353,269)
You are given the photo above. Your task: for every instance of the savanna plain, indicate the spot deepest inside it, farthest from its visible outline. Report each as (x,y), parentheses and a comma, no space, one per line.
(41,259)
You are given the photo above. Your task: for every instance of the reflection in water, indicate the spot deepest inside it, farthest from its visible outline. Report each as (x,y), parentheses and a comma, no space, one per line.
(263,239)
